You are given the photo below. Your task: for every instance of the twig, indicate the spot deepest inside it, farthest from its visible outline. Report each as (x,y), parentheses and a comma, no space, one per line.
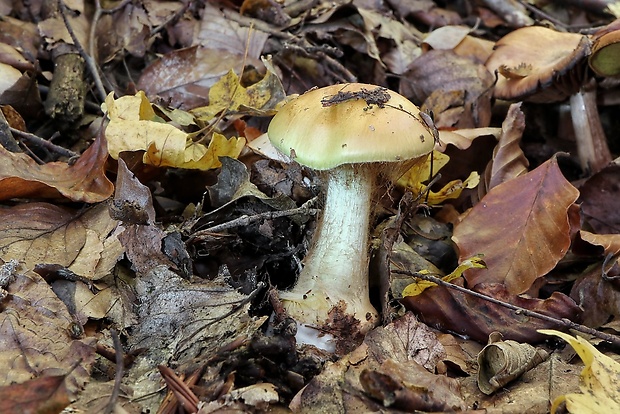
(44,143)
(119,372)
(613,339)
(245,220)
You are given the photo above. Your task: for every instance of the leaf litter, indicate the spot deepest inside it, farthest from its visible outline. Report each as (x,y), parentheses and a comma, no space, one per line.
(174,234)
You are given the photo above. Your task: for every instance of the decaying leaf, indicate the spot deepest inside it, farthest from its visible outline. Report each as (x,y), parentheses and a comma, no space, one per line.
(134,127)
(390,369)
(521,227)
(501,362)
(227,94)
(38,233)
(37,336)
(599,383)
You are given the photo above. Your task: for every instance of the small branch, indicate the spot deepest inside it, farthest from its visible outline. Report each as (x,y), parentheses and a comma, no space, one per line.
(246,220)
(613,339)
(120,369)
(45,143)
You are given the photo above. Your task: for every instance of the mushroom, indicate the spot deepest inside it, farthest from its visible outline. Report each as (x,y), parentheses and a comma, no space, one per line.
(352,134)
(542,65)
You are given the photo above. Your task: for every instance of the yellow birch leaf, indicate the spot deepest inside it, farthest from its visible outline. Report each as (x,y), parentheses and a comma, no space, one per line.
(416,288)
(599,380)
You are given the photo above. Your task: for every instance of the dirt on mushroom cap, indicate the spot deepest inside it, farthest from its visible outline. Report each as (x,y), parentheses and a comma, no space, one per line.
(342,124)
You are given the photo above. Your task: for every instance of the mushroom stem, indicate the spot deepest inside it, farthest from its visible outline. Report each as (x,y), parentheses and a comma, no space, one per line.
(335,273)
(592,148)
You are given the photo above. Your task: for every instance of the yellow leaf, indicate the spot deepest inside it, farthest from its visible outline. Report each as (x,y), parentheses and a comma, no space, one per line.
(599,381)
(134,126)
(414,289)
(420,173)
(227,94)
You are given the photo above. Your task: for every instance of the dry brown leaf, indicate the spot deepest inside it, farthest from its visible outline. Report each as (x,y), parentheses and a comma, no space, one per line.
(45,395)
(444,72)
(609,242)
(508,159)
(39,233)
(599,298)
(451,310)
(600,200)
(38,336)
(21,176)
(520,227)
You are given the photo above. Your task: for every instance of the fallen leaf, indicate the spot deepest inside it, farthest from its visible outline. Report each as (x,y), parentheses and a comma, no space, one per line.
(85,180)
(39,233)
(508,159)
(135,127)
(421,285)
(45,395)
(599,382)
(394,360)
(521,227)
(35,327)
(600,196)
(454,311)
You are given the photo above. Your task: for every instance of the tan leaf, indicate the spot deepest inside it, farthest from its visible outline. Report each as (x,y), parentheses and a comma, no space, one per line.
(521,227)
(38,233)
(35,328)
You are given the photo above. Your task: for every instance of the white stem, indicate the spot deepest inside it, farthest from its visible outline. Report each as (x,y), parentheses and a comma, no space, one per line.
(592,146)
(335,272)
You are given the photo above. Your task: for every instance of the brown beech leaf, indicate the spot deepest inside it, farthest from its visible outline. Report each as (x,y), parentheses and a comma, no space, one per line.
(449,309)
(600,200)
(22,177)
(39,335)
(609,242)
(45,395)
(40,233)
(508,159)
(521,227)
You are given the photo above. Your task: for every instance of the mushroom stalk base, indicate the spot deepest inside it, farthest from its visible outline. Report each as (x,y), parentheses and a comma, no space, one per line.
(334,280)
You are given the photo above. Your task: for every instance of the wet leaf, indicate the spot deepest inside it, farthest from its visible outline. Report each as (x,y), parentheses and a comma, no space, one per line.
(521,227)
(599,382)
(22,177)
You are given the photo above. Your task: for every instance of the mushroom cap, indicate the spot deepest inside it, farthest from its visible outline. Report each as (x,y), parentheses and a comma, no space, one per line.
(335,125)
(538,64)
